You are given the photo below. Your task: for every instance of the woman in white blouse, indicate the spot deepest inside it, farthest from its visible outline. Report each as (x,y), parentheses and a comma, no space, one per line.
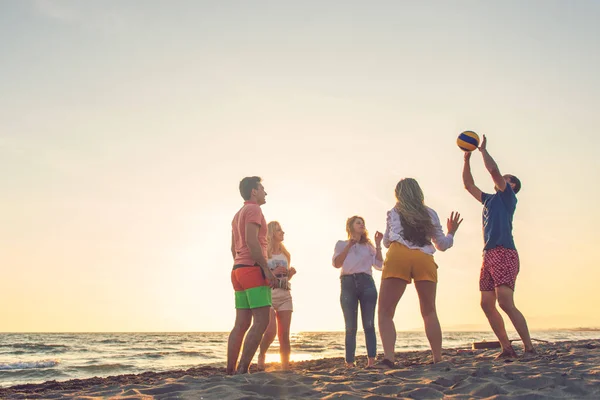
(413,232)
(356,257)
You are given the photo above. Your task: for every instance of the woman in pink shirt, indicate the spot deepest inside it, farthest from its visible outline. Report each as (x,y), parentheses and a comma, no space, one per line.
(356,257)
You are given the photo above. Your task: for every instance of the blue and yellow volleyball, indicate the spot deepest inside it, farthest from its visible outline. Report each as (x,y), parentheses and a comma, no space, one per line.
(468,141)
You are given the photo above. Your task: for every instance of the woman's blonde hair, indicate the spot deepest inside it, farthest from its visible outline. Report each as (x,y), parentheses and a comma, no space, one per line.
(414,216)
(364,238)
(272,227)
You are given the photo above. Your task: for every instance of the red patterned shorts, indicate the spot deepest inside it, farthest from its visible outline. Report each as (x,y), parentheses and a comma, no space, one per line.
(500,267)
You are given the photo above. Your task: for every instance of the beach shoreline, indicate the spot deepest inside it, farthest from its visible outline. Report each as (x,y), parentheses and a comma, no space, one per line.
(569,369)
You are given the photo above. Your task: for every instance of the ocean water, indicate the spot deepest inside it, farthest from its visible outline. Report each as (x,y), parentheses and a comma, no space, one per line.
(40,357)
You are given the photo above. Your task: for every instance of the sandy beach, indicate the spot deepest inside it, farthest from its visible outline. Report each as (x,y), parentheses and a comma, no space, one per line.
(561,370)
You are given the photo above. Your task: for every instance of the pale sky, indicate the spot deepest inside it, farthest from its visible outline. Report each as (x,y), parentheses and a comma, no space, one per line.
(125,128)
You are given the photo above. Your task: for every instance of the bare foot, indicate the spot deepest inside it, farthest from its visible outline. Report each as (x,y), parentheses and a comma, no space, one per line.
(370,362)
(260,364)
(350,365)
(384,364)
(507,354)
(531,353)
(243,370)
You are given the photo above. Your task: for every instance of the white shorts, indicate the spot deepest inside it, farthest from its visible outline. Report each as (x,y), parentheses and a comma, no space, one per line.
(282,300)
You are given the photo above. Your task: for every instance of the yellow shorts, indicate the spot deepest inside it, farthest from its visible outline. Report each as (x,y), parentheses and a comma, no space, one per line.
(407,264)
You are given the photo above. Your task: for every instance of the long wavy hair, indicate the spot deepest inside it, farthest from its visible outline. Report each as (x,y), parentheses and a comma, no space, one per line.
(364,238)
(272,227)
(415,219)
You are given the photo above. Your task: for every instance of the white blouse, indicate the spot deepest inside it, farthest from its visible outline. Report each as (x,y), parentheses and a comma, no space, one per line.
(360,258)
(394,230)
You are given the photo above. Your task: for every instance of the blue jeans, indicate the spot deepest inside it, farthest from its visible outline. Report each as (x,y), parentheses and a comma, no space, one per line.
(359,289)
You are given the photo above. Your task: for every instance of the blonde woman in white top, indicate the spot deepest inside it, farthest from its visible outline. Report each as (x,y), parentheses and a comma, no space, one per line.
(413,232)
(278,259)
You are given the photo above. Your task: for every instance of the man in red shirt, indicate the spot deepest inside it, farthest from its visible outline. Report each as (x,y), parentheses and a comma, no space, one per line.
(251,277)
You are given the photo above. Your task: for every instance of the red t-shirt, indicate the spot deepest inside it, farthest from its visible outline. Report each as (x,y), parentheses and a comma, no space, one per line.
(249,213)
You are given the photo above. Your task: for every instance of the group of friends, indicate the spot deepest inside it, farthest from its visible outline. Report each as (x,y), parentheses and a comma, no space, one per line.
(262,271)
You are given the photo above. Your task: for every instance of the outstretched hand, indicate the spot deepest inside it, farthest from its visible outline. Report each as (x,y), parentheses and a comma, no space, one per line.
(454,222)
(483,145)
(467,156)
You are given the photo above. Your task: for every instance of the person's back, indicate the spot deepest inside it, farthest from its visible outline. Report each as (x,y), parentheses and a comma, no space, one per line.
(427,243)
(497,218)
(249,213)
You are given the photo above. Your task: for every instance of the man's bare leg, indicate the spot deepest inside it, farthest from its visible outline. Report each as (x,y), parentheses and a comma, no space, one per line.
(266,341)
(506,302)
(243,319)
(260,322)
(488,304)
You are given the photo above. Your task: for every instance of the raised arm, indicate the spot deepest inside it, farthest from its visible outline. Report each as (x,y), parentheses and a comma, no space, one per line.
(491,166)
(442,241)
(468,180)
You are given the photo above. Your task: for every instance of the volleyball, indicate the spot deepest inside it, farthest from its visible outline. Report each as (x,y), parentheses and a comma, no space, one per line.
(468,141)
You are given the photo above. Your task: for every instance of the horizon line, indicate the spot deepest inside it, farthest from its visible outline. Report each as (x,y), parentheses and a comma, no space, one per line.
(590,328)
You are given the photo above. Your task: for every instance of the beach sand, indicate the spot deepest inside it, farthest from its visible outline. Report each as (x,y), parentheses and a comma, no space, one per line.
(561,370)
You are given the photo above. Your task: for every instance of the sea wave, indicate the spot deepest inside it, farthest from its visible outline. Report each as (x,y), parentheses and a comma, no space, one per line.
(143,349)
(102,368)
(112,341)
(35,347)
(181,353)
(28,365)
(190,353)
